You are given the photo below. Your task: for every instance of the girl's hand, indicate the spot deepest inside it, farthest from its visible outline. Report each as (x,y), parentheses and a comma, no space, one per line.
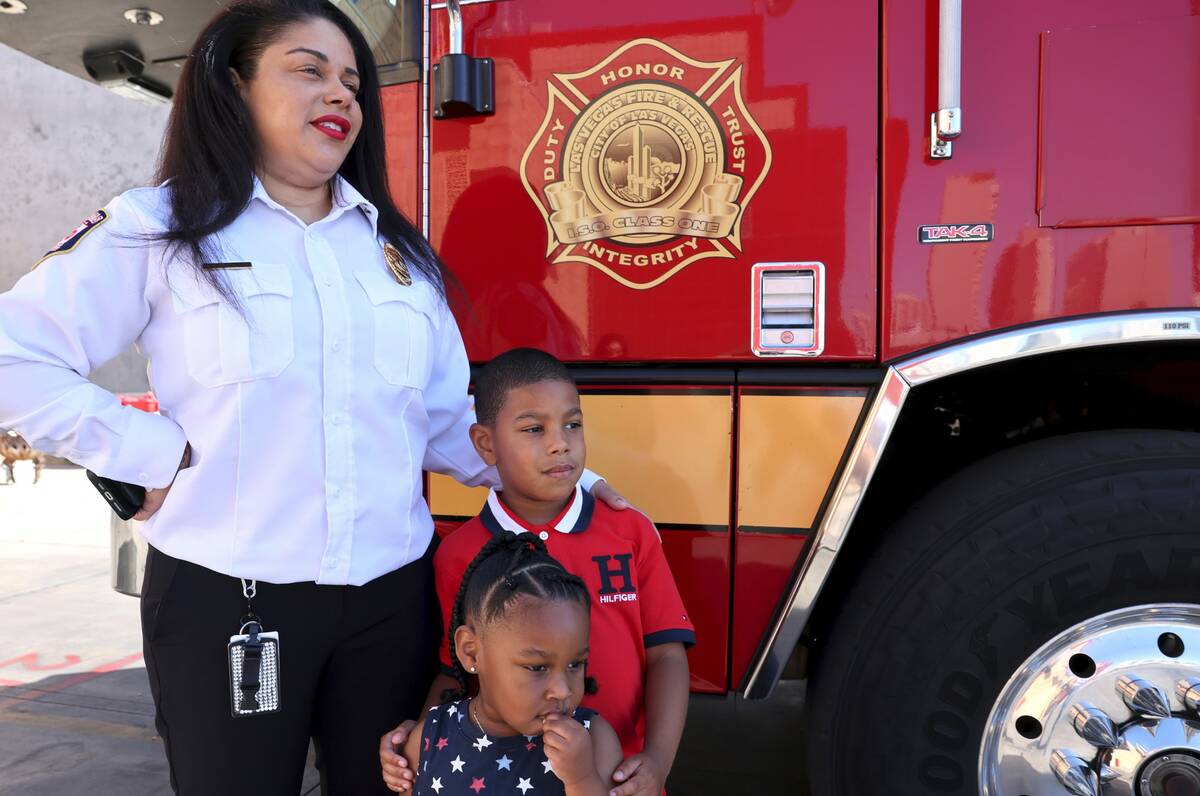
(155,497)
(568,748)
(602,491)
(396,773)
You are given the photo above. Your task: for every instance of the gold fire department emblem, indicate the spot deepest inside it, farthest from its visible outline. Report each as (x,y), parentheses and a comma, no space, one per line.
(645,163)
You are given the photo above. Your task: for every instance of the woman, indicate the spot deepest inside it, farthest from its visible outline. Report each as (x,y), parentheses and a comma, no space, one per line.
(307,368)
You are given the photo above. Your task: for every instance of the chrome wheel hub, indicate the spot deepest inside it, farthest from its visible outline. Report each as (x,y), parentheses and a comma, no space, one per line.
(1172,774)
(1109,707)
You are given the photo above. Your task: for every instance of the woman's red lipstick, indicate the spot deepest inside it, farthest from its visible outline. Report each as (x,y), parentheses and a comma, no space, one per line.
(327,124)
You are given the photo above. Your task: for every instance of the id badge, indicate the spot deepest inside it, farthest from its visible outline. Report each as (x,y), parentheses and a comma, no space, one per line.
(254,672)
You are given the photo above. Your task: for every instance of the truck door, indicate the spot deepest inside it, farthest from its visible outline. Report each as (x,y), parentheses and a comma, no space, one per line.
(998,607)
(640,158)
(1082,216)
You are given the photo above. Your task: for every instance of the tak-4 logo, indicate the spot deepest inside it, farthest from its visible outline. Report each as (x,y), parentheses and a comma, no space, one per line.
(954,233)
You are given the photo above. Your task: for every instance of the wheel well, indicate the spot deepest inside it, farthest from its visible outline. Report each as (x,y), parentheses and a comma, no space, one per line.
(948,424)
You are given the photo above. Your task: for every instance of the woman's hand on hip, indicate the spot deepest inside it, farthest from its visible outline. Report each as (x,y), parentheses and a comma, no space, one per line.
(602,491)
(155,497)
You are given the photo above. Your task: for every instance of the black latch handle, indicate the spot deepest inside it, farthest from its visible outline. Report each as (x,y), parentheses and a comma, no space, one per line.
(251,664)
(462,85)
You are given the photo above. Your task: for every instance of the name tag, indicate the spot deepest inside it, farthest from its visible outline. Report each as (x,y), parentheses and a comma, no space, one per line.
(217,266)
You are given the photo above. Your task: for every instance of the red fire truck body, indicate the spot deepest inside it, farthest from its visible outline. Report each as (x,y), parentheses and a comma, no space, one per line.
(1051,115)
(909,386)
(1083,211)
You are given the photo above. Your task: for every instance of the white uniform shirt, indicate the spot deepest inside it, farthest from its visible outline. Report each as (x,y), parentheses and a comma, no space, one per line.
(310,418)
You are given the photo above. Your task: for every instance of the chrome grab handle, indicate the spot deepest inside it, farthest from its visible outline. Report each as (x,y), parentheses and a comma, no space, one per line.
(454,14)
(946,123)
(462,84)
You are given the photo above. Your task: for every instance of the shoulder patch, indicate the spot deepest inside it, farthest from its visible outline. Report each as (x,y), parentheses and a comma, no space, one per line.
(71,241)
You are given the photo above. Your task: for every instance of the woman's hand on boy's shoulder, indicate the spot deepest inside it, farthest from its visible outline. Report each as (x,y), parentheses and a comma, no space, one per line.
(397,774)
(611,497)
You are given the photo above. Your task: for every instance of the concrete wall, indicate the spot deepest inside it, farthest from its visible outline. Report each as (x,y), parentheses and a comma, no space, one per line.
(68,147)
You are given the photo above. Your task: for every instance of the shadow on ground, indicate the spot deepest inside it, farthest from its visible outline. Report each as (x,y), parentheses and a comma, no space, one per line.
(735,746)
(88,734)
(85,735)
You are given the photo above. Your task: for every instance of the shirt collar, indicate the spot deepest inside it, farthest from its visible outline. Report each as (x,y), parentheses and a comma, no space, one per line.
(345,196)
(498,519)
(260,193)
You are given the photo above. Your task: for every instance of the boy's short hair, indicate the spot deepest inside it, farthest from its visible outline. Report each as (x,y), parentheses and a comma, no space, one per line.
(518,367)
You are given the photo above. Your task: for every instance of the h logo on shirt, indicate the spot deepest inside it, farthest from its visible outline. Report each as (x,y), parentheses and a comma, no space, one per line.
(622,570)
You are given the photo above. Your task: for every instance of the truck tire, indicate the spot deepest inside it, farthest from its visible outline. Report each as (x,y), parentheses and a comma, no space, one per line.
(1018,624)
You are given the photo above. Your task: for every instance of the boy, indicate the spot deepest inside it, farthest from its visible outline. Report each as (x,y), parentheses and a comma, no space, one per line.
(530,427)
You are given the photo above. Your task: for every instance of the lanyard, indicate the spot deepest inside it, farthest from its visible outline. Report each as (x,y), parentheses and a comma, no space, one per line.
(249,589)
(250,684)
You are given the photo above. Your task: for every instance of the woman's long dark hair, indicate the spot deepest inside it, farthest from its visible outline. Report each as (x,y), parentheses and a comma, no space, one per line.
(210,152)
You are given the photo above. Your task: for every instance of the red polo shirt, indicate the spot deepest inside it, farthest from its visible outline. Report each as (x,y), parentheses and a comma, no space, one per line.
(635,604)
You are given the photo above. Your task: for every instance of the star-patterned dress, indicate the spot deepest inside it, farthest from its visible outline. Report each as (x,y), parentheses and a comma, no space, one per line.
(457,759)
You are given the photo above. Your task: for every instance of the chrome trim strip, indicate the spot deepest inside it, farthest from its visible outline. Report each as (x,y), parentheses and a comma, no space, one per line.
(1065,335)
(828,538)
(1054,337)
(438,6)
(425,143)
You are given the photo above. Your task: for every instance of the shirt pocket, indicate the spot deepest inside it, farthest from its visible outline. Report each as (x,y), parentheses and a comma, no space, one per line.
(226,346)
(405,321)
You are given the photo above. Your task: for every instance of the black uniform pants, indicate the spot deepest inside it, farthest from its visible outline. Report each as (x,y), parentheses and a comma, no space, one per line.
(354,662)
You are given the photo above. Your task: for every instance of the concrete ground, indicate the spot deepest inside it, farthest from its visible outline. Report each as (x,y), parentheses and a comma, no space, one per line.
(76,717)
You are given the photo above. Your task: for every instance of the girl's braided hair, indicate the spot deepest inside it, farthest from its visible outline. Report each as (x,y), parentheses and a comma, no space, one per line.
(508,567)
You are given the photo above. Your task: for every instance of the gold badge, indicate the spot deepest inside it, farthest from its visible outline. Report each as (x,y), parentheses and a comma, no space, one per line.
(645,163)
(396,264)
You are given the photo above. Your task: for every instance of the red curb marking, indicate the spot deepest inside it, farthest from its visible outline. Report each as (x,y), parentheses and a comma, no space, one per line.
(118,664)
(73,680)
(29,661)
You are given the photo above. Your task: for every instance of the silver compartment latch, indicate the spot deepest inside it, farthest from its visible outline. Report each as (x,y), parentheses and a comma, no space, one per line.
(787,309)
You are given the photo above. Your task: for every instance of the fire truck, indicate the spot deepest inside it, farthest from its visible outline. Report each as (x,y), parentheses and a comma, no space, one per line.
(883,310)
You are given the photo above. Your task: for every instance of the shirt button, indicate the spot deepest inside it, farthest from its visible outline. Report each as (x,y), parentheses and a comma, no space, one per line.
(143,477)
(336,420)
(333,562)
(543,536)
(336,346)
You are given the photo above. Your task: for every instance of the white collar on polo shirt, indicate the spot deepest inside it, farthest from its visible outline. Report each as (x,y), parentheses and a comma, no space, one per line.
(511,524)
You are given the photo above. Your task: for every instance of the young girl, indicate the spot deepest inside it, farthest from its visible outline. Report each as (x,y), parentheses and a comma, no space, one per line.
(520,623)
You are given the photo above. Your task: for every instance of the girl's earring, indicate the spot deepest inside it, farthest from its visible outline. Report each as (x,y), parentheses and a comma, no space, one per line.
(472,670)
